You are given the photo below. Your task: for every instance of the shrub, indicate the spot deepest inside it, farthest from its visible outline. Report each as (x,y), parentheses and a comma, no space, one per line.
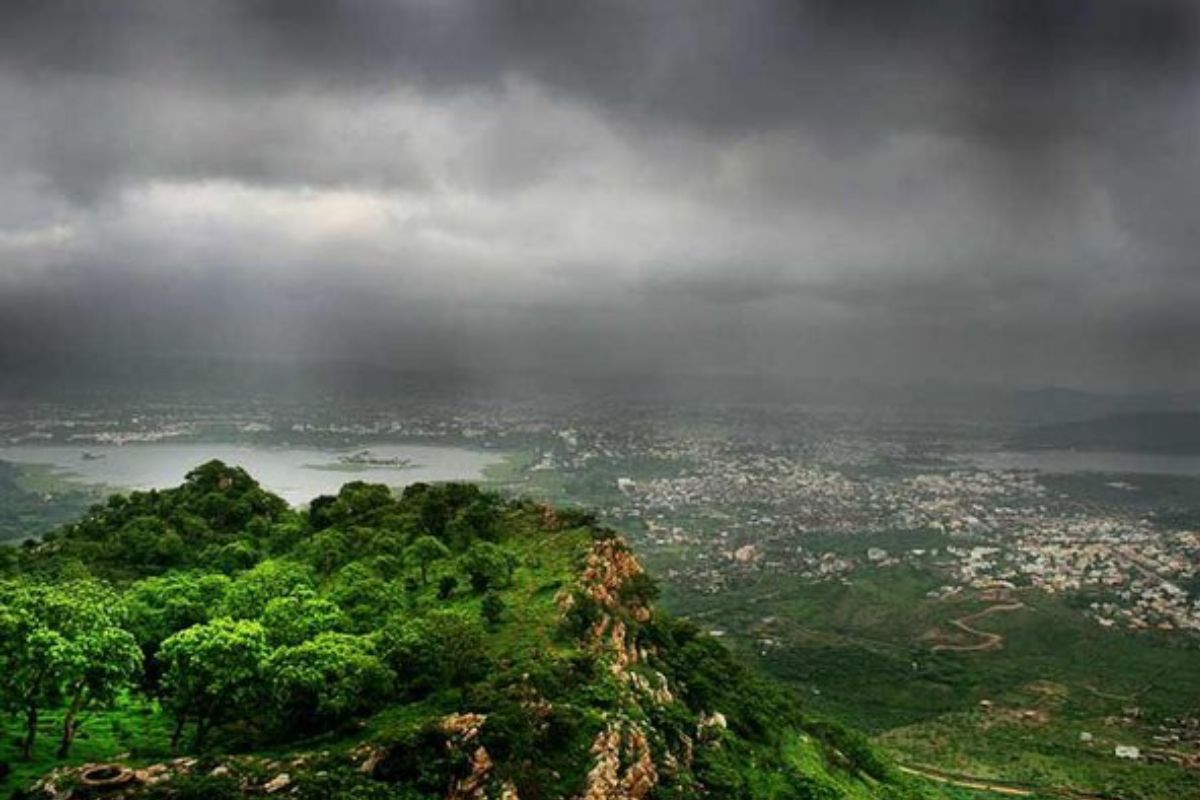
(813,787)
(583,613)
(492,608)
(854,748)
(196,787)
(487,566)
(419,758)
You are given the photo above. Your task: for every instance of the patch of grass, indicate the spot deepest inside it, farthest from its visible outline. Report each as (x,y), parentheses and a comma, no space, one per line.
(134,729)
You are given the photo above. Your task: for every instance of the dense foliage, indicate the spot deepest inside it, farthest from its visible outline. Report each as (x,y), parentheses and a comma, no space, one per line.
(237,624)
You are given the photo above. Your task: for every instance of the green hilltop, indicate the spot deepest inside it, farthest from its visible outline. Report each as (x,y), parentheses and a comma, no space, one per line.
(209,641)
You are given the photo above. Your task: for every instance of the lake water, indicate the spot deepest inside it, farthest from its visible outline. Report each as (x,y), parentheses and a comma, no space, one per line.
(1085,461)
(297,474)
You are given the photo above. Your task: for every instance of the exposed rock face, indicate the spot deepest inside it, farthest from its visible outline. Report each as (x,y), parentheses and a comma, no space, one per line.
(655,688)
(464,727)
(277,784)
(368,757)
(550,519)
(609,566)
(474,786)
(464,730)
(624,768)
(709,726)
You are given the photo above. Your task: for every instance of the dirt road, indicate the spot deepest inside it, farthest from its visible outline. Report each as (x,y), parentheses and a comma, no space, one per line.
(999,787)
(987,640)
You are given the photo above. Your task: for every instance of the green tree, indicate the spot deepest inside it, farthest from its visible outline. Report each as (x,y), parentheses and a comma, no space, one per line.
(425,550)
(283,536)
(294,619)
(148,541)
(431,506)
(228,498)
(230,558)
(480,518)
(441,649)
(365,598)
(145,532)
(62,642)
(324,681)
(165,604)
(27,650)
(248,595)
(327,551)
(487,566)
(212,673)
(106,660)
(492,608)
(356,503)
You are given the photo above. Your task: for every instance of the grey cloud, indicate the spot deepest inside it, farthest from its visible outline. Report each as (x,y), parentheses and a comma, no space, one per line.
(1004,186)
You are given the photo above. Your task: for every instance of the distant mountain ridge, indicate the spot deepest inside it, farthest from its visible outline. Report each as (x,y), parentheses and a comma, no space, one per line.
(69,376)
(1174,432)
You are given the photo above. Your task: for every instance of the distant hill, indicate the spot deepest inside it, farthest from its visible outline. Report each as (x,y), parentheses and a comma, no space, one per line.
(55,376)
(26,514)
(1152,432)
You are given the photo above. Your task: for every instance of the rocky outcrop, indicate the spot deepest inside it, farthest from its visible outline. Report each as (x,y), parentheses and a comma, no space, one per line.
(117,781)
(624,768)
(463,730)
(107,780)
(610,565)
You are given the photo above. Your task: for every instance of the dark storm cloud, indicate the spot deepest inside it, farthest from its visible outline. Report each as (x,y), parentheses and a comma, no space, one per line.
(730,65)
(1000,187)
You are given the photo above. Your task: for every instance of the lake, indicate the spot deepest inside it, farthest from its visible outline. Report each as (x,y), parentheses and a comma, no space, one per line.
(1087,461)
(297,474)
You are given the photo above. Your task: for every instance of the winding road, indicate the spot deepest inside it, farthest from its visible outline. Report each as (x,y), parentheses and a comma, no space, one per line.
(987,640)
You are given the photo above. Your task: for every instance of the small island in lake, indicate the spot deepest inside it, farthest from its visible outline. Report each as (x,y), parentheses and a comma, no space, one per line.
(365,458)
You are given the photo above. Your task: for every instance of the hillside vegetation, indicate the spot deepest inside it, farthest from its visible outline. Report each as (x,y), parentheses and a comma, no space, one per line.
(209,641)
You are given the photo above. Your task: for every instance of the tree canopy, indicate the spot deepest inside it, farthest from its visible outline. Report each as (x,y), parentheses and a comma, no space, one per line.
(62,643)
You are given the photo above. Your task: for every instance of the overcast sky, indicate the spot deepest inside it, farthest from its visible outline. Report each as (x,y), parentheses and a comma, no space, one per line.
(1004,191)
